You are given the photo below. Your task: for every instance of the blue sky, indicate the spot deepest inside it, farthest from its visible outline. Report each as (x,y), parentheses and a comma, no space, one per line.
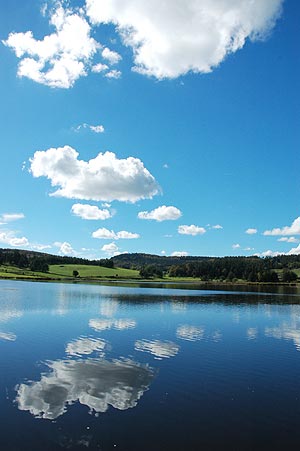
(157,127)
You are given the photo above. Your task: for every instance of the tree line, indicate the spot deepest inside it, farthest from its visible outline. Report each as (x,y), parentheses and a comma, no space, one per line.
(251,269)
(38,261)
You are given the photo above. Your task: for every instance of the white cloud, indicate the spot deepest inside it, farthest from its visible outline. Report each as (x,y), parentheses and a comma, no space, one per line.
(189,332)
(110,249)
(217,226)
(251,231)
(60,58)
(160,349)
(162,213)
(236,246)
(93,128)
(90,212)
(268,253)
(104,178)
(291,239)
(294,251)
(118,324)
(97,128)
(170,39)
(106,234)
(111,56)
(9,217)
(167,39)
(294,229)
(113,74)
(126,235)
(65,248)
(9,237)
(97,68)
(179,254)
(94,383)
(191,230)
(40,247)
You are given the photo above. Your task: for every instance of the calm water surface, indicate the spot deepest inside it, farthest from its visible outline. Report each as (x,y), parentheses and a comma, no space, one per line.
(133,368)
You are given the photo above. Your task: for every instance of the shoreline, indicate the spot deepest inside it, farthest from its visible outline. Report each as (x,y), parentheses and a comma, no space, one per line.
(180,281)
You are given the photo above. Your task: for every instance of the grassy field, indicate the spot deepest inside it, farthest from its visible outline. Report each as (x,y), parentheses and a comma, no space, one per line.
(90,272)
(87,271)
(66,272)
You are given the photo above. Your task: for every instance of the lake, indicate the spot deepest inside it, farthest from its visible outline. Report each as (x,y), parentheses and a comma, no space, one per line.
(148,368)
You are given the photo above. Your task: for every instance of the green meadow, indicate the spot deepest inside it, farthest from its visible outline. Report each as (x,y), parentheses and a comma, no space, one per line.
(57,272)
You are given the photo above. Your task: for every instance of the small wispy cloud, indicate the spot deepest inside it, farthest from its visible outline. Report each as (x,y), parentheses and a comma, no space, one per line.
(105,234)
(160,214)
(65,248)
(291,239)
(111,56)
(113,74)
(251,231)
(94,128)
(179,254)
(97,68)
(191,230)
(10,217)
(90,212)
(9,237)
(111,249)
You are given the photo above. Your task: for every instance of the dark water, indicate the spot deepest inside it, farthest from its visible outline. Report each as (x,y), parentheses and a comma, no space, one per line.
(134,368)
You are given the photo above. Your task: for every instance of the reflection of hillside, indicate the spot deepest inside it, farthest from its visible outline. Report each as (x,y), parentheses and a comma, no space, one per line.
(119,324)
(160,349)
(97,384)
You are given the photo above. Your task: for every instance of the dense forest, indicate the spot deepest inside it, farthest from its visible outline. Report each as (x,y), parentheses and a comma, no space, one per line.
(251,269)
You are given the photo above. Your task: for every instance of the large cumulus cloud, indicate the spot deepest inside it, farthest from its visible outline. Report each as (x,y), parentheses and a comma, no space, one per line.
(103,178)
(173,37)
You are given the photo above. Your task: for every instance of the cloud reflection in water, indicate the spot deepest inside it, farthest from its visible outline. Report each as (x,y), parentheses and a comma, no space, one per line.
(85,346)
(8,336)
(119,324)
(160,349)
(97,384)
(190,333)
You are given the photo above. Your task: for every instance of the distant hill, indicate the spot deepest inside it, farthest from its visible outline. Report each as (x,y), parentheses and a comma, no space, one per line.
(136,261)
(23,258)
(252,269)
